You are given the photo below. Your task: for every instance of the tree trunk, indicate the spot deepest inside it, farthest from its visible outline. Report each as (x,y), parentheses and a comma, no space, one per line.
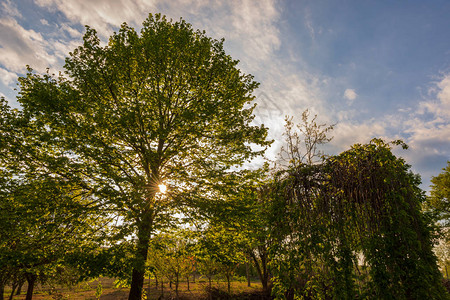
(261,269)
(31,279)
(12,292)
(2,290)
(176,286)
(143,242)
(187,280)
(19,289)
(247,273)
(228,281)
(14,285)
(149,282)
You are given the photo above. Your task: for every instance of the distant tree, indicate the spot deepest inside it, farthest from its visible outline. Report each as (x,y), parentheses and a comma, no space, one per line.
(207,266)
(164,106)
(221,249)
(438,205)
(439,200)
(171,258)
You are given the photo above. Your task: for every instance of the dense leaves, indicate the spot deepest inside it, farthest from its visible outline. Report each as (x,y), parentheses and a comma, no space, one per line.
(82,160)
(353,226)
(166,105)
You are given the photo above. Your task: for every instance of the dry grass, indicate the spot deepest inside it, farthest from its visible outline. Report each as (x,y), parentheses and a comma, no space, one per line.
(87,290)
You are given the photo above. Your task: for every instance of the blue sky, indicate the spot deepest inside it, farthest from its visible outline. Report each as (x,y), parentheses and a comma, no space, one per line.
(375,68)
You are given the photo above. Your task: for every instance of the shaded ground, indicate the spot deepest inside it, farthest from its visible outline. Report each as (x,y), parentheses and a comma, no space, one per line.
(107,291)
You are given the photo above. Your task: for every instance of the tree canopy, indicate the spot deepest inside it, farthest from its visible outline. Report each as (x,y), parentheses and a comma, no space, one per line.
(167,105)
(83,158)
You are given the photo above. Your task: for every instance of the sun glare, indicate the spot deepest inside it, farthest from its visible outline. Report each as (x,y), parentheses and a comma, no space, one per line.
(162,188)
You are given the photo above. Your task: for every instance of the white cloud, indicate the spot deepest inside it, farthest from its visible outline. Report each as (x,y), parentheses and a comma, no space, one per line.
(429,131)
(10,9)
(8,78)
(102,15)
(20,46)
(73,33)
(349,133)
(437,129)
(441,105)
(254,21)
(350,95)
(248,26)
(44,22)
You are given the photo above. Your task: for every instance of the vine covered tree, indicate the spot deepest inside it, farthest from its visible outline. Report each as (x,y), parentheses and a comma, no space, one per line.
(167,105)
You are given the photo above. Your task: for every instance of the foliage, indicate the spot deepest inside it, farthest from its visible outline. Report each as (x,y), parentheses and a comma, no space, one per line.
(43,221)
(439,200)
(171,257)
(166,105)
(45,218)
(353,226)
(437,205)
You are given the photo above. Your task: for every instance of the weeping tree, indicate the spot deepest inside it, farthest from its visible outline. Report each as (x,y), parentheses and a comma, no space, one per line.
(166,106)
(353,227)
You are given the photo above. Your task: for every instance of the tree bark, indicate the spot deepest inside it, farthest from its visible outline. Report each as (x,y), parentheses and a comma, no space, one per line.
(143,242)
(19,289)
(3,279)
(31,279)
(261,269)
(12,292)
(247,273)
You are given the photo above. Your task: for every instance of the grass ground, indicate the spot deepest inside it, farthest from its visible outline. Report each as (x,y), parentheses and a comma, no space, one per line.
(105,289)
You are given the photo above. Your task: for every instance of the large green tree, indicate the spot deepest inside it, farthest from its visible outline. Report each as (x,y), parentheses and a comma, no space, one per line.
(167,105)
(352,227)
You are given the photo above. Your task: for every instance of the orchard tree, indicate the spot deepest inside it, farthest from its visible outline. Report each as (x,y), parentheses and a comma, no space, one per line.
(166,106)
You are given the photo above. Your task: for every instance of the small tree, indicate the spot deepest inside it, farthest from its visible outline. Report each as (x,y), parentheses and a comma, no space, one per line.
(208,267)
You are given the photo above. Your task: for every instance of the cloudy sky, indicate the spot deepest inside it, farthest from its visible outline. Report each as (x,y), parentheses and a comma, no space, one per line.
(375,68)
